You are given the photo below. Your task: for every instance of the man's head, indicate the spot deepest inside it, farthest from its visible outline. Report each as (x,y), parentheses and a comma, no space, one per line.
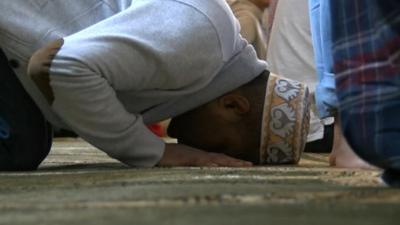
(264,121)
(230,124)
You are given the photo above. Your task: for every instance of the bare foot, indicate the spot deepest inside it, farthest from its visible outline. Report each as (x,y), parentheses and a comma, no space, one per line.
(342,156)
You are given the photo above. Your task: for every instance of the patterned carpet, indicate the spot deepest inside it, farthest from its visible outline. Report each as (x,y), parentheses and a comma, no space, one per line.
(77,184)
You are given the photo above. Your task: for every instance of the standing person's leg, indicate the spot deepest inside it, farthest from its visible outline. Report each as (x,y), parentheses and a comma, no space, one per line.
(326,100)
(25,135)
(366,50)
(325,96)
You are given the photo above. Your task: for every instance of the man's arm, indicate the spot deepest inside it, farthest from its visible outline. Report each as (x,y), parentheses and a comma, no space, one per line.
(88,104)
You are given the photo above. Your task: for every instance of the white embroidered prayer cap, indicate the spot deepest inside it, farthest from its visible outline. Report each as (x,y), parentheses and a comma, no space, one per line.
(285,121)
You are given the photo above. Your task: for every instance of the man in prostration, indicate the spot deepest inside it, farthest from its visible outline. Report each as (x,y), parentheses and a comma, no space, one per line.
(104,69)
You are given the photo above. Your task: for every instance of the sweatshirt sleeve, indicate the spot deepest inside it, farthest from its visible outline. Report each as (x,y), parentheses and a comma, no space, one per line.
(88,104)
(139,50)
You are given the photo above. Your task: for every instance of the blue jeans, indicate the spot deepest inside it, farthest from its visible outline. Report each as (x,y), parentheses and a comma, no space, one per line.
(4,129)
(25,135)
(325,92)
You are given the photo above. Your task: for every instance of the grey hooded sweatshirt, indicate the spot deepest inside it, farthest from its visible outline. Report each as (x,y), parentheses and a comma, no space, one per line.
(125,64)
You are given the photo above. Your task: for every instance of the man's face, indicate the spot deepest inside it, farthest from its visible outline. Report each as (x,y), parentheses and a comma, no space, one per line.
(203,129)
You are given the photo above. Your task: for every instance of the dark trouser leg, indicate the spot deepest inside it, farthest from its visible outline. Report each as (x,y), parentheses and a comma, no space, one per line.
(323,145)
(30,135)
(375,136)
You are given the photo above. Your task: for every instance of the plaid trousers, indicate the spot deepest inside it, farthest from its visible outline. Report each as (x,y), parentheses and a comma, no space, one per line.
(366,63)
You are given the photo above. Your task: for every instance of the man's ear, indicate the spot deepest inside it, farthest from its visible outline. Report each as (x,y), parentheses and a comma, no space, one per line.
(233,107)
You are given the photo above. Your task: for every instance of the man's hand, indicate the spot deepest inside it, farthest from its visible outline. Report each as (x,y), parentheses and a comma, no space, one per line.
(183,155)
(39,65)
